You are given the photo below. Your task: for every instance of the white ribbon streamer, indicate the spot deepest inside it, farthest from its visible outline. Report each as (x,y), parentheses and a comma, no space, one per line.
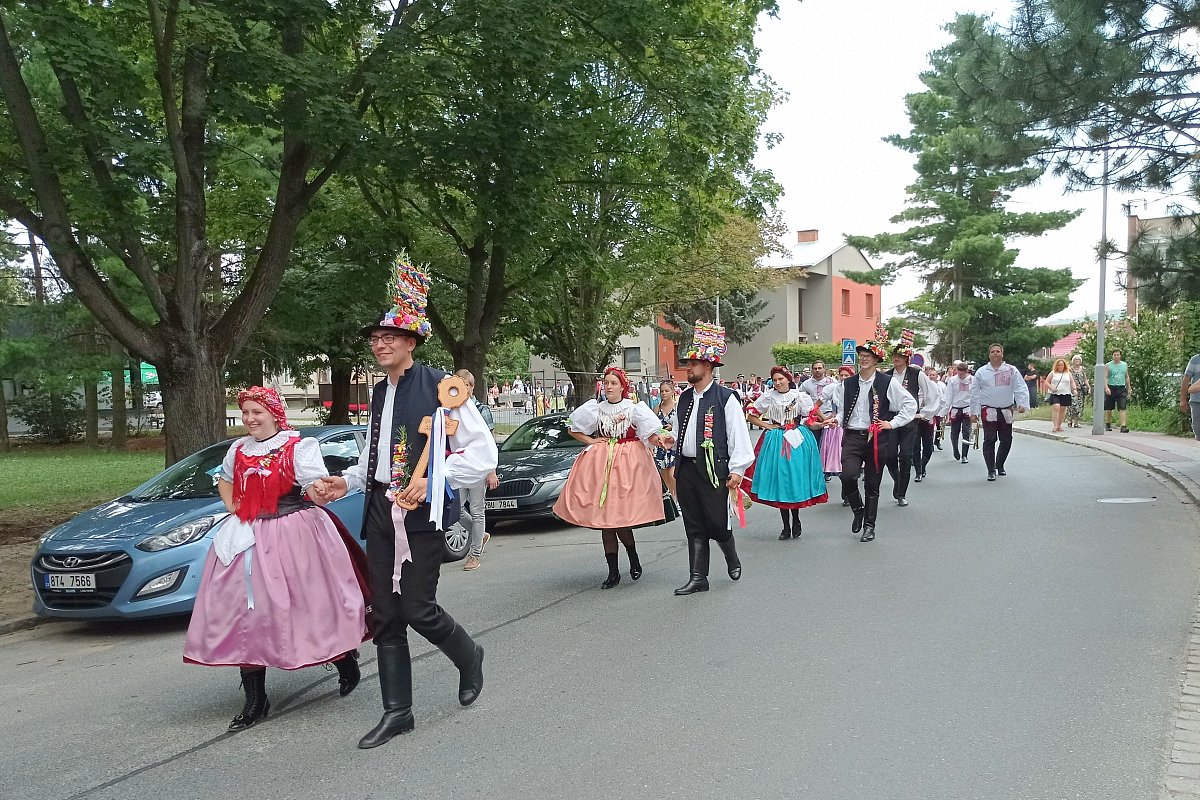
(437,467)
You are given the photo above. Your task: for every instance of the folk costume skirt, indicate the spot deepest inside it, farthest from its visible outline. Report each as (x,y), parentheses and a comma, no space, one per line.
(831,450)
(784,476)
(612,485)
(308,602)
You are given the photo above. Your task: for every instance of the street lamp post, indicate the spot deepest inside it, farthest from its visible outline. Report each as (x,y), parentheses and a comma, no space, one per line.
(1099,380)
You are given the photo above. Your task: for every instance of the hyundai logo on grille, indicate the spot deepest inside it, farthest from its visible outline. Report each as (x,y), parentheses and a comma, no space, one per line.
(71,561)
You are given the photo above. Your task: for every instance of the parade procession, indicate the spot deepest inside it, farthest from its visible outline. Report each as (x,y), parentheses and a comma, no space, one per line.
(644,400)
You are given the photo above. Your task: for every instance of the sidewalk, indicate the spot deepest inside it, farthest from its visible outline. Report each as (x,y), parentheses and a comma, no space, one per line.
(1175,458)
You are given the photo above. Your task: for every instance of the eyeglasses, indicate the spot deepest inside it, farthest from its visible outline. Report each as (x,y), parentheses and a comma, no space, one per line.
(383,338)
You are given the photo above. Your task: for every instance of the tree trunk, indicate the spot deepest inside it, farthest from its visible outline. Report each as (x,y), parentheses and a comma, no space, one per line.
(136,387)
(120,426)
(340,374)
(3,419)
(193,390)
(91,410)
(474,360)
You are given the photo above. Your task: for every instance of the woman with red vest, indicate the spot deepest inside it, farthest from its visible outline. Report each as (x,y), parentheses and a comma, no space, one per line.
(280,587)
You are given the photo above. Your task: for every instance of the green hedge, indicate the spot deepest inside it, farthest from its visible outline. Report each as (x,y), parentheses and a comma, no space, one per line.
(794,354)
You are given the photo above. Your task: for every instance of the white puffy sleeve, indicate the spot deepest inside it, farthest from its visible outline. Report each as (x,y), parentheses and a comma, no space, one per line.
(309,463)
(586,418)
(760,404)
(741,451)
(473,451)
(804,403)
(230,457)
(645,421)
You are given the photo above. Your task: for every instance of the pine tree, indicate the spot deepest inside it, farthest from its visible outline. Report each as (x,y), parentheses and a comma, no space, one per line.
(958,227)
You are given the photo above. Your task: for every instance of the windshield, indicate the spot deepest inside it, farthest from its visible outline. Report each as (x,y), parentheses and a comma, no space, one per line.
(541,434)
(188,479)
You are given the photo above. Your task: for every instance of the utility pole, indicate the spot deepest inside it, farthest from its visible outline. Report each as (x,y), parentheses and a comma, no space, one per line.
(1098,379)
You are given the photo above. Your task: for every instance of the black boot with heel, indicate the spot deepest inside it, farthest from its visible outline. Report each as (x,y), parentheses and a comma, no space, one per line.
(614,573)
(254,682)
(698,562)
(395,685)
(465,654)
(348,672)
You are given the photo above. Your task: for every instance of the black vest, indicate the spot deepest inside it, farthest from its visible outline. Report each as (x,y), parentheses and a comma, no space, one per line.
(416,398)
(910,381)
(715,399)
(850,397)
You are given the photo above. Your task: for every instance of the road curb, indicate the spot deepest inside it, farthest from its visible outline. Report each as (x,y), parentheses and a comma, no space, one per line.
(1181,481)
(21,623)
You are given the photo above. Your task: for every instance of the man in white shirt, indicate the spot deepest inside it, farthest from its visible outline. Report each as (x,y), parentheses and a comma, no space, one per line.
(404,549)
(914,381)
(958,400)
(872,405)
(816,384)
(927,425)
(713,452)
(998,388)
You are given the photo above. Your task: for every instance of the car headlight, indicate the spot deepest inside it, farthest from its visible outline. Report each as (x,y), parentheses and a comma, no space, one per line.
(561,475)
(184,534)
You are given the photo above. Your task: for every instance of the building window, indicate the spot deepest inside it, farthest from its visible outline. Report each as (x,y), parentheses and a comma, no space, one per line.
(799,311)
(870,306)
(845,302)
(633,360)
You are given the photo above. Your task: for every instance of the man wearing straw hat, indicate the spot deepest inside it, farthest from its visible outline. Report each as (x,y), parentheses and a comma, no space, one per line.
(712,452)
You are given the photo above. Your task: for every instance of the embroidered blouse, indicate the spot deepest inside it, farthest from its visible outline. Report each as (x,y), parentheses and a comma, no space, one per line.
(623,420)
(309,464)
(783,408)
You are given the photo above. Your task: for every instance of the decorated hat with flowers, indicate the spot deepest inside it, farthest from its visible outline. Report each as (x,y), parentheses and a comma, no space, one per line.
(410,298)
(708,343)
(877,346)
(904,347)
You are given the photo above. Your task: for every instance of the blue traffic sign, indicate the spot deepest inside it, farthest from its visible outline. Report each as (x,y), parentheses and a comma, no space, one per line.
(848,346)
(848,359)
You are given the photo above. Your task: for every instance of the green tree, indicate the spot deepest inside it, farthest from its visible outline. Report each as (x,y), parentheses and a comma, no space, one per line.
(958,226)
(183,142)
(525,121)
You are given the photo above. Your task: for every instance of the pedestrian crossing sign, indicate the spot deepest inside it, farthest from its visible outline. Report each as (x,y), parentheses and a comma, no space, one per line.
(848,359)
(849,355)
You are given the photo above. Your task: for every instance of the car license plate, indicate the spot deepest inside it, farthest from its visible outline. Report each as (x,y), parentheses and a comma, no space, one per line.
(494,505)
(82,581)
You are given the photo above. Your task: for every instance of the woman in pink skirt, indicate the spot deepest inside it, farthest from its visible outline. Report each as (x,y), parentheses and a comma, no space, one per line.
(614,485)
(831,439)
(279,588)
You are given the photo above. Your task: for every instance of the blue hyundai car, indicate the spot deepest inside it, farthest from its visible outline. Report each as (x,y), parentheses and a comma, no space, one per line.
(141,555)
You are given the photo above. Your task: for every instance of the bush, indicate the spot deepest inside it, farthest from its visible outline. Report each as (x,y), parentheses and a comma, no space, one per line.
(53,416)
(795,354)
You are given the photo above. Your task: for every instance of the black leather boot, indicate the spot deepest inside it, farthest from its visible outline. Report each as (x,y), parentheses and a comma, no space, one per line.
(857,523)
(869,513)
(698,560)
(348,672)
(461,649)
(254,682)
(732,562)
(614,573)
(395,685)
(796,529)
(635,564)
(786,533)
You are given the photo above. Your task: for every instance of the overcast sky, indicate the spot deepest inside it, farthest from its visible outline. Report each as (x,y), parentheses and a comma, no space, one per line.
(846,66)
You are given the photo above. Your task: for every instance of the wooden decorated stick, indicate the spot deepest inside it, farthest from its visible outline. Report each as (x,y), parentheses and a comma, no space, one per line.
(452,393)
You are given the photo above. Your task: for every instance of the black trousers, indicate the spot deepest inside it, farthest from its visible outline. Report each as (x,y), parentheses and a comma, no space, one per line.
(923,444)
(993,431)
(900,464)
(705,509)
(960,426)
(416,606)
(859,454)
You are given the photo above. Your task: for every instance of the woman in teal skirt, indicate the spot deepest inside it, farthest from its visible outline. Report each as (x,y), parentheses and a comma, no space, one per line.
(787,471)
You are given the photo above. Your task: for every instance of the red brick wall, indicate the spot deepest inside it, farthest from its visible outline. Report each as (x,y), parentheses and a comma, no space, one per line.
(858,325)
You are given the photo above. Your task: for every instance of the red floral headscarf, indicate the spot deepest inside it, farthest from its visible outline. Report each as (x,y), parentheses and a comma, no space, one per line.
(621,376)
(268,399)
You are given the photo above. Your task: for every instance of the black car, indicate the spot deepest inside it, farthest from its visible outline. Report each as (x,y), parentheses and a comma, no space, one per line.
(533,467)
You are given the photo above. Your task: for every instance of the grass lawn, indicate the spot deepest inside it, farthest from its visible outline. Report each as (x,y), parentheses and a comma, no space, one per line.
(42,486)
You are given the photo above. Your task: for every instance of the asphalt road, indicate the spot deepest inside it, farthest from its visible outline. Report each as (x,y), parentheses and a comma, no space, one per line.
(1007,640)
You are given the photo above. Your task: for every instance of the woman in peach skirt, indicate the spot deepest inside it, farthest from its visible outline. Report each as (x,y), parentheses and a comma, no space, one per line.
(614,485)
